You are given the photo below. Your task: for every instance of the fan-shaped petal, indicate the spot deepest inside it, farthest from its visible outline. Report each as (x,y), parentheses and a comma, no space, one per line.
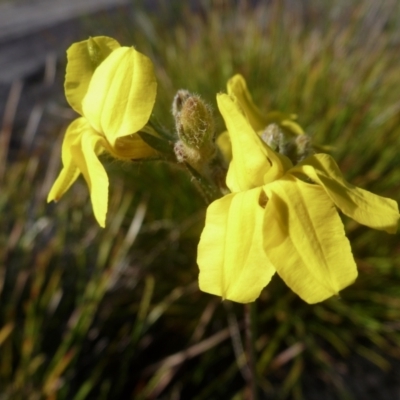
(85,154)
(253,162)
(70,171)
(231,258)
(121,94)
(364,207)
(305,240)
(237,87)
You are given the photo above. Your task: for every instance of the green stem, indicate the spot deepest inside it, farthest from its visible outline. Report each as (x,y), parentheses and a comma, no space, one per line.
(208,189)
(250,331)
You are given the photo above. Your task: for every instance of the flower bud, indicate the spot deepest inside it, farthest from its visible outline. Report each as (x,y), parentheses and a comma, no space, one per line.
(303,147)
(180,98)
(295,148)
(194,120)
(275,138)
(195,128)
(272,136)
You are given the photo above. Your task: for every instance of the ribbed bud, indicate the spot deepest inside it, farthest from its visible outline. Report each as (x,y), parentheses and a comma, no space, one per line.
(194,120)
(195,128)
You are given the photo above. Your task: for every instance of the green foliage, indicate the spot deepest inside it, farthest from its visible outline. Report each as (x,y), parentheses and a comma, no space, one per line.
(87,313)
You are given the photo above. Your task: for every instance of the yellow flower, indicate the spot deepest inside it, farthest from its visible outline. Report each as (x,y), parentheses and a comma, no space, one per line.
(282,218)
(113,88)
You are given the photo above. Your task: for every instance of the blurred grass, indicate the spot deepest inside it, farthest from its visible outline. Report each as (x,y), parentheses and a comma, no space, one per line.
(87,313)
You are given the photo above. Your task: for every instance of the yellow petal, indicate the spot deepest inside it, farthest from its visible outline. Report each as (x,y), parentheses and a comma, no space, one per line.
(365,207)
(81,66)
(305,240)
(224,144)
(84,153)
(132,147)
(237,86)
(231,258)
(291,127)
(253,162)
(70,171)
(121,94)
(286,122)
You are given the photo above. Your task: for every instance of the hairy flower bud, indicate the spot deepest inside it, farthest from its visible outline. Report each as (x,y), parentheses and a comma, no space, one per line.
(275,138)
(295,148)
(303,147)
(180,98)
(272,136)
(194,120)
(195,128)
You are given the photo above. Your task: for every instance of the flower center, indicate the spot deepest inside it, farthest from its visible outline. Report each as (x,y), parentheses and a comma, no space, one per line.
(295,147)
